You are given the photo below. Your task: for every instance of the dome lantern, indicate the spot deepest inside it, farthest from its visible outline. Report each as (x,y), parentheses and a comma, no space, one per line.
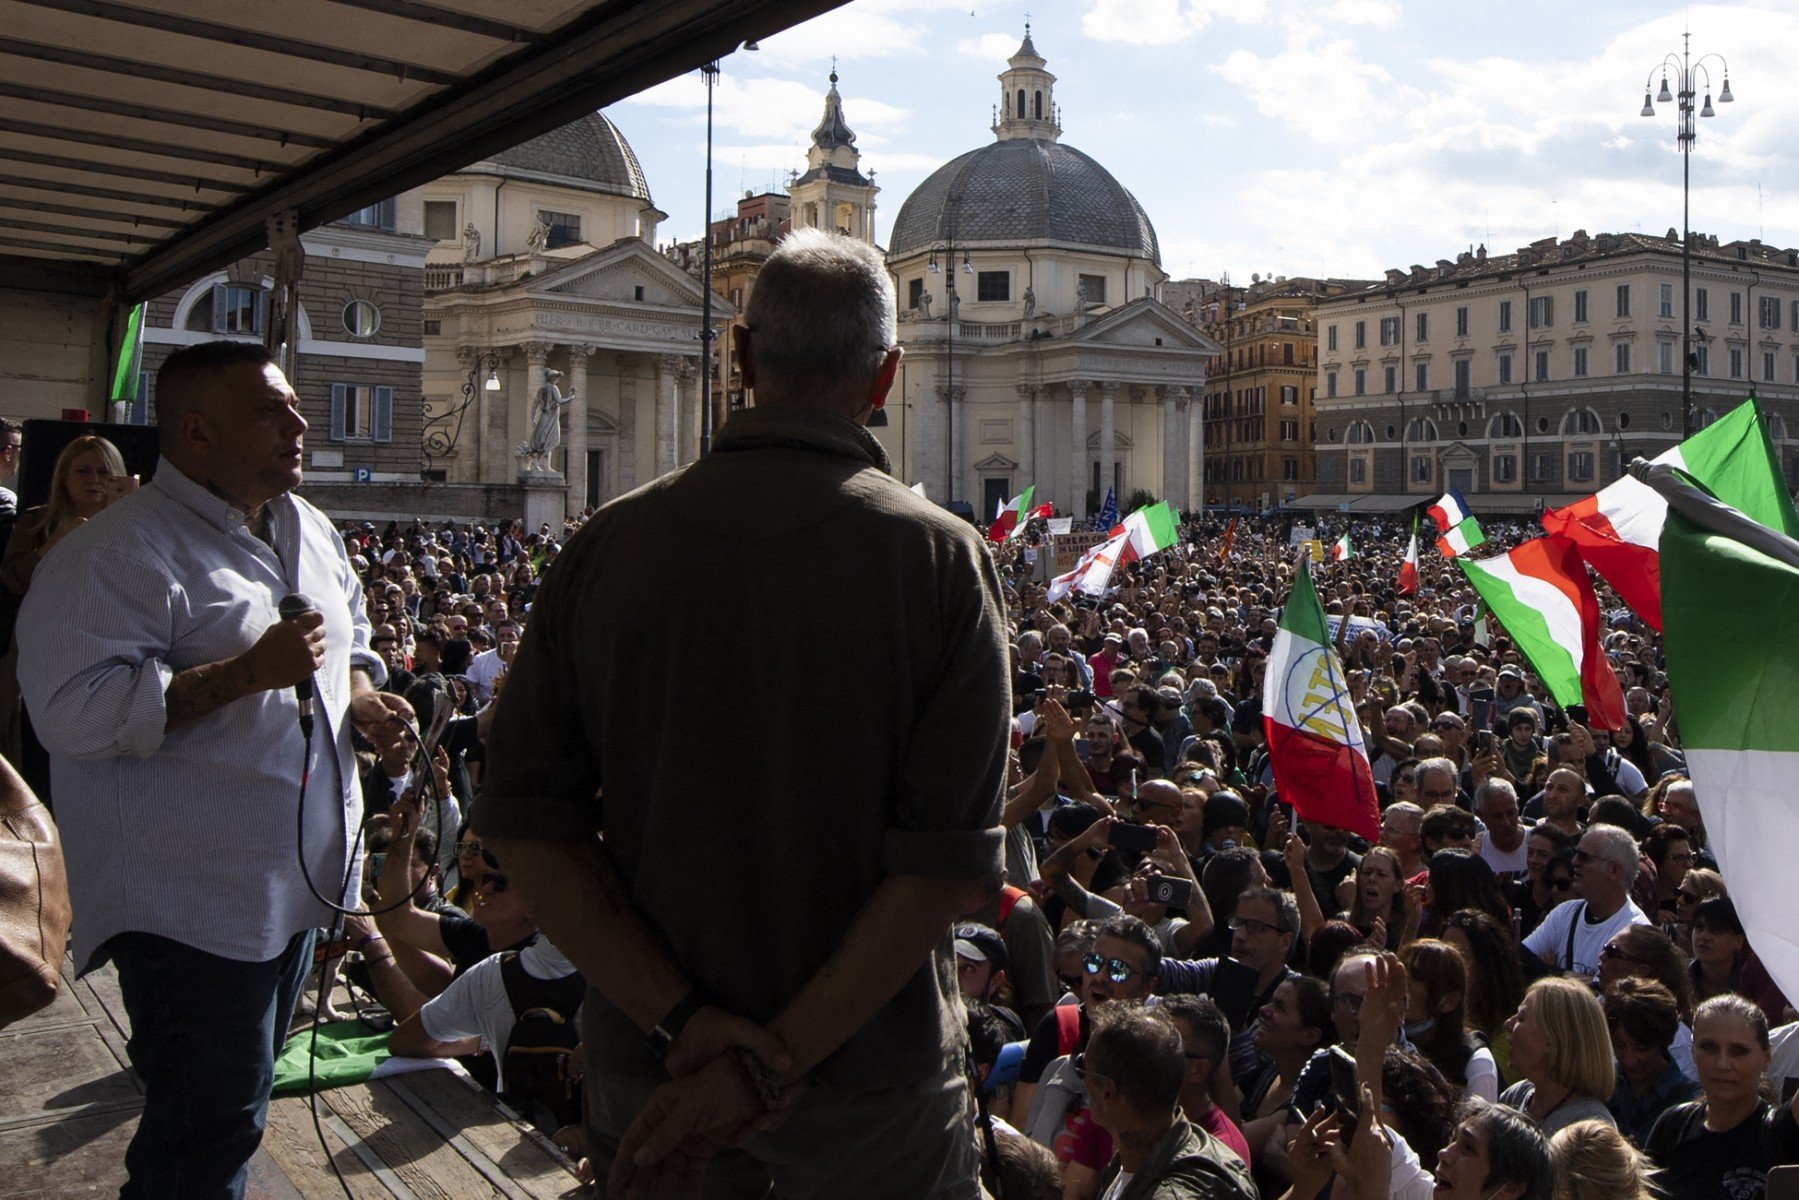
(1027,106)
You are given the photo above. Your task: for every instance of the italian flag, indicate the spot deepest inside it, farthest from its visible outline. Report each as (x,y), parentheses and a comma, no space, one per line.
(1461,538)
(1341,549)
(1408,570)
(1619,529)
(1092,573)
(1730,595)
(1542,595)
(1149,529)
(1013,515)
(1314,736)
(1449,511)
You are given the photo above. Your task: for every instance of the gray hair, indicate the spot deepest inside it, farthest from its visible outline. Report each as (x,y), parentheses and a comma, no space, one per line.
(1494,786)
(1408,810)
(1617,845)
(1441,766)
(822,311)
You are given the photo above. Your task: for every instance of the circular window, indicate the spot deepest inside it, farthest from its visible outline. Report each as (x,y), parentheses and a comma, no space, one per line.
(1461,428)
(1389,433)
(1623,420)
(1667,419)
(1542,424)
(361,318)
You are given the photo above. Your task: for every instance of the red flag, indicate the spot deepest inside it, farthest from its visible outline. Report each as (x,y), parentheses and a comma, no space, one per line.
(1408,570)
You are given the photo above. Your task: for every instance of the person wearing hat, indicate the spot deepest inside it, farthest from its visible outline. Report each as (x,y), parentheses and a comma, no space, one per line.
(1171,726)
(1521,747)
(981,972)
(1510,695)
(1101,665)
(1225,822)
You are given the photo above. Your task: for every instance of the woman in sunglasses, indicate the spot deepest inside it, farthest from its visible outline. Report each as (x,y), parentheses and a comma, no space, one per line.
(1696,886)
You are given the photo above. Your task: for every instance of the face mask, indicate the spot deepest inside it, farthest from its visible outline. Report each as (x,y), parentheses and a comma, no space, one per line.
(1414,1030)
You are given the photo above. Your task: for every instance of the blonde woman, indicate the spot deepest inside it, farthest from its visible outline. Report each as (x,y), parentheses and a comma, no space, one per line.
(1563,1050)
(1593,1161)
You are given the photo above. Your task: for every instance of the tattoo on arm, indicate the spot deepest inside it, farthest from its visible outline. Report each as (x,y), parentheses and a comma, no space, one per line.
(1072,893)
(203,690)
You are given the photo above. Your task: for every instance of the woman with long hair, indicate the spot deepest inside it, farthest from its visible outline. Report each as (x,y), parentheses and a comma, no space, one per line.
(1379,896)
(1460,879)
(1495,977)
(88,476)
(1562,1049)
(1436,1014)
(1294,1024)
(1593,1161)
(1721,1146)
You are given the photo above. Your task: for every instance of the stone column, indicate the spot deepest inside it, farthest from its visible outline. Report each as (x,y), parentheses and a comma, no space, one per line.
(1108,443)
(689,408)
(1077,464)
(574,463)
(1196,450)
(1027,436)
(667,365)
(537,357)
(627,424)
(1174,481)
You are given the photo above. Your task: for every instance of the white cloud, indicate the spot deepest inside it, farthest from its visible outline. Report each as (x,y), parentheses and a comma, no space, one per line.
(1360,12)
(1138,22)
(989,47)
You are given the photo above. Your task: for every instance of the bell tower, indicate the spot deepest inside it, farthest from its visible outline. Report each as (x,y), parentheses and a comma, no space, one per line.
(1027,105)
(834,194)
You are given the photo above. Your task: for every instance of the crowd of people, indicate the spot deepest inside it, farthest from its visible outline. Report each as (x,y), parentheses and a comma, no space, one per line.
(1533,984)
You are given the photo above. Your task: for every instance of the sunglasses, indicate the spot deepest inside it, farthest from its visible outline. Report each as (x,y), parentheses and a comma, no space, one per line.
(1610,951)
(1116,969)
(463,848)
(1558,885)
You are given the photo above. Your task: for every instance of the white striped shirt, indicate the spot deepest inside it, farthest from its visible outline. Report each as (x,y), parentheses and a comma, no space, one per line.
(191,834)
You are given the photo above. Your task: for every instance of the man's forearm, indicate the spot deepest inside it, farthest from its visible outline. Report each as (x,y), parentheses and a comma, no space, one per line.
(203,690)
(902,922)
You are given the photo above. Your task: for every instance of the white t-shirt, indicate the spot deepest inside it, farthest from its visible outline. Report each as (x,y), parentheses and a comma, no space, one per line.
(1551,937)
(1482,1074)
(475,1005)
(1783,1067)
(1500,860)
(1116,1191)
(483,669)
(1410,1180)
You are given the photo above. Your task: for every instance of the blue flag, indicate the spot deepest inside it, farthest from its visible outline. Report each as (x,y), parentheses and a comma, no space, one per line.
(1108,512)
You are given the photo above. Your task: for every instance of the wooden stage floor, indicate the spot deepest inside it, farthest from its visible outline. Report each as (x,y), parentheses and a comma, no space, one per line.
(69,1105)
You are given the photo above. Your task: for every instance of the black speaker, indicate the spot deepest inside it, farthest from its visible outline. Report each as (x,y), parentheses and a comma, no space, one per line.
(44,440)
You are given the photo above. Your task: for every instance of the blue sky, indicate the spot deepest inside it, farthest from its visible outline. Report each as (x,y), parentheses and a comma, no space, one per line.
(1292,137)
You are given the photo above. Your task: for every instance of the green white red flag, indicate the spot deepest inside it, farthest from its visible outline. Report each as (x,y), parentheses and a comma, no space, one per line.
(1543,596)
(1314,736)
(1408,570)
(1341,549)
(1619,528)
(1151,528)
(1013,515)
(1730,607)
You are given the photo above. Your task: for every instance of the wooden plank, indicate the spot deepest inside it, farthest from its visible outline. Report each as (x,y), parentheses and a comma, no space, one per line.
(294,1148)
(64,1010)
(65,1068)
(527,1158)
(428,1167)
(82,1157)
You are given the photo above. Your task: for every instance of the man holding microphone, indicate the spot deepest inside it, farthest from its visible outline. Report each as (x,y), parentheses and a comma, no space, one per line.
(152,643)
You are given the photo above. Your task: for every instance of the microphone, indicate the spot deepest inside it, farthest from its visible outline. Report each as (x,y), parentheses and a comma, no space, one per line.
(295,605)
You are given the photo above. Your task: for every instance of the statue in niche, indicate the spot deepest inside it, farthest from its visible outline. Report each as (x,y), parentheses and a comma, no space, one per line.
(546,425)
(539,237)
(1030,303)
(955,303)
(924,304)
(1080,296)
(471,242)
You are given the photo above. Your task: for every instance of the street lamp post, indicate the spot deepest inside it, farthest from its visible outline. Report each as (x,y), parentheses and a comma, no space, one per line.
(950,304)
(1688,73)
(710,71)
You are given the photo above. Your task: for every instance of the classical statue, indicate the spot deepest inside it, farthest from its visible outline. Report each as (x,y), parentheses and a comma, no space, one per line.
(546,424)
(1080,296)
(1030,303)
(539,237)
(924,304)
(471,242)
(955,302)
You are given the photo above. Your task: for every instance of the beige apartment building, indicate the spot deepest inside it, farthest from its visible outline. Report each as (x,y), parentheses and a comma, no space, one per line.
(1534,378)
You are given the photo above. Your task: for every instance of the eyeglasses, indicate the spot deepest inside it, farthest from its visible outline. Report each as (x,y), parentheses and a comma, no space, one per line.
(1116,969)
(463,848)
(1251,925)
(1582,857)
(1191,779)
(1685,897)
(1610,951)
(1558,885)
(1349,1002)
(1445,725)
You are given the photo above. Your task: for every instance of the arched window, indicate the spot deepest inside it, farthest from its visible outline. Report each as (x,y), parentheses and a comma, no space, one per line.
(1037,109)
(1421,429)
(1505,425)
(1582,422)
(1021,104)
(1777,427)
(1701,420)
(1361,433)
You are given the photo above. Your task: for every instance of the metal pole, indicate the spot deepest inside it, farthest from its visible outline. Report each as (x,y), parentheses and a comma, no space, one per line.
(710,70)
(1686,239)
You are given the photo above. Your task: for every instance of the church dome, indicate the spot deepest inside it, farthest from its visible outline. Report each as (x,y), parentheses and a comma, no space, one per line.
(589,152)
(1022,190)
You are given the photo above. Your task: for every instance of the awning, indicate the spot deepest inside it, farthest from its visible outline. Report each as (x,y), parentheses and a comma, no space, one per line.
(144,144)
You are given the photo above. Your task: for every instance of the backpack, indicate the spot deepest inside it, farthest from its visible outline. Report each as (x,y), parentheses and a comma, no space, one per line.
(539,1060)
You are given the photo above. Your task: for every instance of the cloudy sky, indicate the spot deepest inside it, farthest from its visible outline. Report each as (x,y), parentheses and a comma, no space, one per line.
(1292,137)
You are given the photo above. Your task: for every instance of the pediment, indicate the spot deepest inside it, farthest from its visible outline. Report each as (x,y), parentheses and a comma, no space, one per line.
(1146,322)
(1120,440)
(996,462)
(626,272)
(1458,452)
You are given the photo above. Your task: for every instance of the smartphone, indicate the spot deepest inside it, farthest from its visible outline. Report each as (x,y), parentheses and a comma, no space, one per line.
(1577,714)
(1169,891)
(1081,701)
(1346,1088)
(1483,741)
(1480,707)
(1140,839)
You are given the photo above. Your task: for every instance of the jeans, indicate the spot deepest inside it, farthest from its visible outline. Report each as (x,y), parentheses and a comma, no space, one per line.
(205,1032)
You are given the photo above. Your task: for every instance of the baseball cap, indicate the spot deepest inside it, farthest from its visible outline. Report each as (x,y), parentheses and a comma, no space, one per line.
(981,943)
(1510,672)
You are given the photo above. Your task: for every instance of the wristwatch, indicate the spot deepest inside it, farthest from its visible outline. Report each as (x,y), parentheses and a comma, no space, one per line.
(663,1035)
